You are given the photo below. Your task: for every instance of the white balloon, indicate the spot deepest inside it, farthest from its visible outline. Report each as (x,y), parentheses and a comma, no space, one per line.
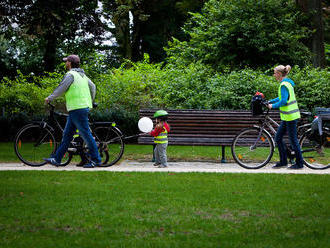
(145,124)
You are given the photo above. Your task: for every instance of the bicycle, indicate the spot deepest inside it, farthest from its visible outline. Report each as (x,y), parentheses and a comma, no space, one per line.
(253,148)
(39,140)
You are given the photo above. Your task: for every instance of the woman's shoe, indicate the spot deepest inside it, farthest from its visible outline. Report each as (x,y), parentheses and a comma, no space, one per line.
(296,167)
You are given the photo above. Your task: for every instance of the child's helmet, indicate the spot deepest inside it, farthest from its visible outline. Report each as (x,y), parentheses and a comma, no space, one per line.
(160,113)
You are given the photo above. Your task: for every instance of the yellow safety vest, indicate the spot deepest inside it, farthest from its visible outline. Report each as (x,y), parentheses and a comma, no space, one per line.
(290,110)
(78,95)
(162,137)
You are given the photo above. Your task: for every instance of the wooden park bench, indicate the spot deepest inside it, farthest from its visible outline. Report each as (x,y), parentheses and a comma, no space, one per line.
(205,127)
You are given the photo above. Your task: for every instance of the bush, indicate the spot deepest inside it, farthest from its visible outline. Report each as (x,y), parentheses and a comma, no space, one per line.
(122,92)
(313,87)
(242,33)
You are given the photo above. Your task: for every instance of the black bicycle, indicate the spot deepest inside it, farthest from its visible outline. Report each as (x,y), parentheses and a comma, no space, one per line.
(253,147)
(40,139)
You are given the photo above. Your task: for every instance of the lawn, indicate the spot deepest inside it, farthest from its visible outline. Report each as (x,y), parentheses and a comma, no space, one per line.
(144,152)
(109,209)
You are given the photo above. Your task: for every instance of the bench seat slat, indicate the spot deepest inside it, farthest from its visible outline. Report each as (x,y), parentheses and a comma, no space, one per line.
(204,127)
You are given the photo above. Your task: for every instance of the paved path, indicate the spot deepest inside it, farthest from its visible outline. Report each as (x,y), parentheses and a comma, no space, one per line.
(138,166)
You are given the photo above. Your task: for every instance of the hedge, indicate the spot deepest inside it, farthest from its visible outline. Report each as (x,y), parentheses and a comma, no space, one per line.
(123,91)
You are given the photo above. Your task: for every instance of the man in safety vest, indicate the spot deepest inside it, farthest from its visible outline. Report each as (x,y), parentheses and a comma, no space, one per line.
(290,114)
(79,93)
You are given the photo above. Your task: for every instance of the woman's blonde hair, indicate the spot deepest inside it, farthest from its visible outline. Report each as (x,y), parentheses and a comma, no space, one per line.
(283,69)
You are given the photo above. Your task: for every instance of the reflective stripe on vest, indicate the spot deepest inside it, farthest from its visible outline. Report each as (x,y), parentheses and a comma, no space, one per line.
(78,95)
(290,111)
(161,138)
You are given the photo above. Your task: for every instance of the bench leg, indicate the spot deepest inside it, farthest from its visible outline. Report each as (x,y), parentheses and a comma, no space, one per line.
(223,158)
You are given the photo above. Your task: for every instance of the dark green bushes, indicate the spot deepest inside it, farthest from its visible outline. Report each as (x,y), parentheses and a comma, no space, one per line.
(122,92)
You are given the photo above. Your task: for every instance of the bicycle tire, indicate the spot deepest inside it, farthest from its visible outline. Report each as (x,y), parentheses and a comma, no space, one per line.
(315,156)
(32,143)
(110,143)
(66,158)
(250,157)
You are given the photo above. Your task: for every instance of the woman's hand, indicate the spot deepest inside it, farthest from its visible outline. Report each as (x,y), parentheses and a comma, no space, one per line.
(269,106)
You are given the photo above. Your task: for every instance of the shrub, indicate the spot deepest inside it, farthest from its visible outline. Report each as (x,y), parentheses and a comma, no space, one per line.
(242,33)
(123,91)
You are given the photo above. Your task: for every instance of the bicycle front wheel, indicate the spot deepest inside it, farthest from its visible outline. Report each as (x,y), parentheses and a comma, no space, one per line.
(110,144)
(316,150)
(33,143)
(252,152)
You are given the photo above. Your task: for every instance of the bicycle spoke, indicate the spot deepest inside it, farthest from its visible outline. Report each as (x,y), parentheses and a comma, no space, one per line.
(315,150)
(110,143)
(252,149)
(34,143)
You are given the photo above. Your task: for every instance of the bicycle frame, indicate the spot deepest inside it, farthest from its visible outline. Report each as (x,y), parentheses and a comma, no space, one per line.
(266,122)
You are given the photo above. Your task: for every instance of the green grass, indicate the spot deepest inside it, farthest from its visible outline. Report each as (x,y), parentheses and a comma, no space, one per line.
(109,209)
(144,152)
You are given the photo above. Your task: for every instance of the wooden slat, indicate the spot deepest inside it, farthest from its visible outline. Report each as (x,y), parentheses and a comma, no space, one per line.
(205,127)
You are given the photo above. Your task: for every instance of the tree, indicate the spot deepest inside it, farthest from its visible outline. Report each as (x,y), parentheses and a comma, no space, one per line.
(242,33)
(145,26)
(52,25)
(313,8)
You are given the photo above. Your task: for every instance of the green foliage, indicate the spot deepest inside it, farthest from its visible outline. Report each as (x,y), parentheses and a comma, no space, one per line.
(131,88)
(243,33)
(313,87)
(145,85)
(123,91)
(327,53)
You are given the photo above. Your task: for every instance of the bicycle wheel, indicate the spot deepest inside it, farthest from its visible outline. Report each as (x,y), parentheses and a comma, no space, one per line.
(249,151)
(33,143)
(110,143)
(316,150)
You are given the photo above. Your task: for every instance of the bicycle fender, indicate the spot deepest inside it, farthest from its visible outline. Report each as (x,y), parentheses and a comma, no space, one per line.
(118,130)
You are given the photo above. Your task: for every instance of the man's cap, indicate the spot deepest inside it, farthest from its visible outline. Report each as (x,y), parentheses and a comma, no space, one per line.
(72,58)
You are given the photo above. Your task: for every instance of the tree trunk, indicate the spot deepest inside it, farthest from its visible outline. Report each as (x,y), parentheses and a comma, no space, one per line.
(136,38)
(50,52)
(122,34)
(314,8)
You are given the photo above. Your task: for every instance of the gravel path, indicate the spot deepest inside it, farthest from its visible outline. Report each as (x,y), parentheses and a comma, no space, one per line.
(138,166)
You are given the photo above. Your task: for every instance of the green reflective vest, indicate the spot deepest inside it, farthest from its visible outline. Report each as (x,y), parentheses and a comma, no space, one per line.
(78,95)
(290,110)
(161,138)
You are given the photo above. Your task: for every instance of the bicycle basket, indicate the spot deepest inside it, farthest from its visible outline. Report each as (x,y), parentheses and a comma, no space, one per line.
(256,105)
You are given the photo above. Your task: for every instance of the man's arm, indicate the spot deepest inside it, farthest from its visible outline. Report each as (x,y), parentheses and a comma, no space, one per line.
(61,88)
(92,89)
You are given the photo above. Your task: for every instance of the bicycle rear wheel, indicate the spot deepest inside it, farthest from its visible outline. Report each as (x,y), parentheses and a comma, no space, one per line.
(110,143)
(33,143)
(249,151)
(316,150)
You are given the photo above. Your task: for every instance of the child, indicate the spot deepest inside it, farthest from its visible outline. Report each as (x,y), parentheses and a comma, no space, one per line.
(160,138)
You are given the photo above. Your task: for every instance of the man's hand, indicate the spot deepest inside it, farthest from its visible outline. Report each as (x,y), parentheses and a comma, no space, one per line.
(270,106)
(47,100)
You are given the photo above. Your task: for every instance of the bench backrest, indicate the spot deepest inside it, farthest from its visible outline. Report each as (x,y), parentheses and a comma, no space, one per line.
(204,127)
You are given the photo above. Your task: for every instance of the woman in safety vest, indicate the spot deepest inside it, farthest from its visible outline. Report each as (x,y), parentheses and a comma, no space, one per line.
(160,138)
(290,114)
